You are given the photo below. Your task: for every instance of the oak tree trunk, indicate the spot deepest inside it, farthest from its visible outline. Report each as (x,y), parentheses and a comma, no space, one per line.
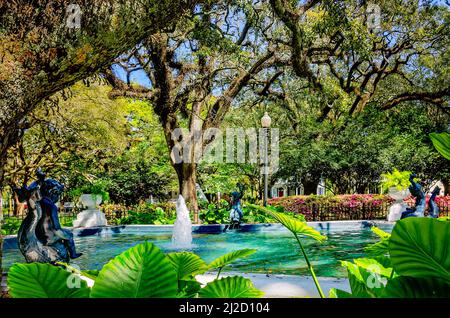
(446,183)
(1,236)
(310,186)
(187,179)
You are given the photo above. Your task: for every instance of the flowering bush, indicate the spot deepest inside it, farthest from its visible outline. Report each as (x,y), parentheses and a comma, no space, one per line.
(337,207)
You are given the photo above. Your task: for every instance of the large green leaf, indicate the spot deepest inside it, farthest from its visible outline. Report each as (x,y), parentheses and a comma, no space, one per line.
(374,266)
(230,287)
(140,272)
(188,288)
(381,234)
(413,287)
(228,258)
(442,143)
(381,247)
(338,293)
(187,264)
(36,280)
(420,247)
(364,283)
(292,224)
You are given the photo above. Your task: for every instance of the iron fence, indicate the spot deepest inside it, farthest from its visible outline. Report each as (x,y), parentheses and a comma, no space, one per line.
(312,212)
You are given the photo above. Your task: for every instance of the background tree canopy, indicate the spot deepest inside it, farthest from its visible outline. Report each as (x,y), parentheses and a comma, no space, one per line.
(353,96)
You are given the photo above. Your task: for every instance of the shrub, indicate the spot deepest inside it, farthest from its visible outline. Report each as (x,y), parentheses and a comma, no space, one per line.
(215,213)
(147,213)
(11,225)
(352,206)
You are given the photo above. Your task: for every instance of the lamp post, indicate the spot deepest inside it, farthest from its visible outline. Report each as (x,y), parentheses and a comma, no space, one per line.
(265,123)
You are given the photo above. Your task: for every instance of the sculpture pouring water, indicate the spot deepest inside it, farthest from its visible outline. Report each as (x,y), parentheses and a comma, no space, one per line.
(182,228)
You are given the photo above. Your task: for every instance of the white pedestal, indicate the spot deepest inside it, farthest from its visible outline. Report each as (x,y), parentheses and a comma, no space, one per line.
(396,209)
(90,218)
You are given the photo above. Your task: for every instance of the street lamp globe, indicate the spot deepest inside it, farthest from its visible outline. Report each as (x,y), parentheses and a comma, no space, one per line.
(266,120)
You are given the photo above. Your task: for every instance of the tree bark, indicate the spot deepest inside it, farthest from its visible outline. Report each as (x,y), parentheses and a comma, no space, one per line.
(187,179)
(18,206)
(446,183)
(1,237)
(310,187)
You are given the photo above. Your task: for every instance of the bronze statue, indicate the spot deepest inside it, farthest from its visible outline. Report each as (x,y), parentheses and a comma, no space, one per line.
(236,214)
(433,209)
(419,207)
(40,237)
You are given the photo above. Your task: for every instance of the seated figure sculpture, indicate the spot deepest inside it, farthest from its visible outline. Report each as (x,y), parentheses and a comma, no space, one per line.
(236,214)
(419,207)
(41,238)
(433,209)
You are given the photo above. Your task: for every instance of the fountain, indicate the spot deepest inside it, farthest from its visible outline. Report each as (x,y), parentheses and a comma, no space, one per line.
(91,216)
(182,228)
(396,209)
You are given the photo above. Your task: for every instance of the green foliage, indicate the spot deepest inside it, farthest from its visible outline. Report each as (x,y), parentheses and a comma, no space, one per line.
(419,247)
(252,215)
(187,265)
(381,247)
(213,213)
(147,213)
(10,225)
(230,287)
(38,280)
(292,224)
(297,227)
(226,259)
(418,265)
(397,179)
(337,293)
(442,143)
(414,287)
(364,283)
(96,188)
(142,271)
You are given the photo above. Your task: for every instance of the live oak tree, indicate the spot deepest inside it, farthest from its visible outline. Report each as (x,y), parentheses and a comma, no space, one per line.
(42,50)
(347,58)
(346,50)
(196,73)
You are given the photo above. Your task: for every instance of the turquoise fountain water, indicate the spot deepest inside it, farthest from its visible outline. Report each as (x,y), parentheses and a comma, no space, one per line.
(278,251)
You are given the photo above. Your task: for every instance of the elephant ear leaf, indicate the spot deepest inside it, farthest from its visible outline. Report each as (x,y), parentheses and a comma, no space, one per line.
(38,280)
(419,247)
(413,287)
(187,264)
(338,293)
(292,224)
(381,247)
(230,287)
(142,271)
(442,143)
(228,258)
(364,282)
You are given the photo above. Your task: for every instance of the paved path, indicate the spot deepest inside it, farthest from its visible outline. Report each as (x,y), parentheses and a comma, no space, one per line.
(275,286)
